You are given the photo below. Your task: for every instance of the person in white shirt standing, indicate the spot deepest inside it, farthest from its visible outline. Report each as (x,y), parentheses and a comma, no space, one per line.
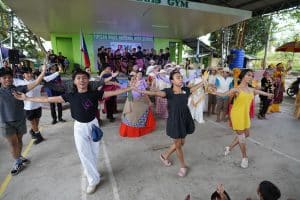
(223,84)
(33,110)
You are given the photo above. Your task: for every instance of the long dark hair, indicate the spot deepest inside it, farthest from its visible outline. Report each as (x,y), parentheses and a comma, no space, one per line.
(269,191)
(175,71)
(216,195)
(79,72)
(243,73)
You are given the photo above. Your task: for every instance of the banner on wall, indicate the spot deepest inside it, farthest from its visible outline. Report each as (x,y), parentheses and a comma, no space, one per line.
(122,45)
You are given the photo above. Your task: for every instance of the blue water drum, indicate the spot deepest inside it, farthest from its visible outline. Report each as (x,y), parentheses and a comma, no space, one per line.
(237,56)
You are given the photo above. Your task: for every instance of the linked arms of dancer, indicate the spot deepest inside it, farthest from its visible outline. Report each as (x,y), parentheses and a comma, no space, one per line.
(116,92)
(59,99)
(152,93)
(37,81)
(231,92)
(196,86)
(108,79)
(235,91)
(270,95)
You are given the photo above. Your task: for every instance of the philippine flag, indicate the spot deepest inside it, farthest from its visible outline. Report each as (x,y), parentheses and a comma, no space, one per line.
(86,58)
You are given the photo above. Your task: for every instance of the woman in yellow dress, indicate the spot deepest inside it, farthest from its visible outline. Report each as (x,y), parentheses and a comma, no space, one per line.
(239,114)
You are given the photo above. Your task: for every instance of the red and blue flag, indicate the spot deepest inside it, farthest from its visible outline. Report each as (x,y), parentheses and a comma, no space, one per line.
(86,58)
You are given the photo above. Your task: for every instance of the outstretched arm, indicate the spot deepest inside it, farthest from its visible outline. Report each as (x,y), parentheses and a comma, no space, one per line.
(116,92)
(152,93)
(231,92)
(32,85)
(196,86)
(23,97)
(270,95)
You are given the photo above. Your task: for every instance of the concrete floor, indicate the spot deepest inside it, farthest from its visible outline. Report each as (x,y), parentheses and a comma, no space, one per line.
(131,169)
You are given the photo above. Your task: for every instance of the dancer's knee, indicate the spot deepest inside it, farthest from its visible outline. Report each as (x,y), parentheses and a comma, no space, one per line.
(178,144)
(242,138)
(182,142)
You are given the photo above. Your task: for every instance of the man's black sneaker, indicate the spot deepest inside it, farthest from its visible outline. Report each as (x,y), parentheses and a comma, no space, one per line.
(62,120)
(54,122)
(25,161)
(32,134)
(112,119)
(39,138)
(17,169)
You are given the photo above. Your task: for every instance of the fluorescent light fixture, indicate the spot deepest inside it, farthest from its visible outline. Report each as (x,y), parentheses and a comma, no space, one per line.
(160,26)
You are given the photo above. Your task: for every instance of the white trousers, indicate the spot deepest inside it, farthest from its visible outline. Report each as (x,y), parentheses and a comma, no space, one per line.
(88,150)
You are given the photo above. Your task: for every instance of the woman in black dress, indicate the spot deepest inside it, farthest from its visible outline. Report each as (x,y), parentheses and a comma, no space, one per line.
(180,122)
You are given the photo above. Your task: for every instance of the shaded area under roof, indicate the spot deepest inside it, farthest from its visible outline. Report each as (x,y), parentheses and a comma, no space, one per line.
(258,7)
(125,17)
(204,48)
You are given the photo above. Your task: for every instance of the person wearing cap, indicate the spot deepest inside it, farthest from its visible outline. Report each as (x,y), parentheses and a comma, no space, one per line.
(223,84)
(33,111)
(12,116)
(150,67)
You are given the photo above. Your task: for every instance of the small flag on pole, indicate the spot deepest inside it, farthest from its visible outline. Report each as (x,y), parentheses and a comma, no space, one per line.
(83,49)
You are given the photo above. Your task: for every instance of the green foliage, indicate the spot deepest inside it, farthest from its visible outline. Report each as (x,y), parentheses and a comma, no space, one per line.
(255,34)
(283,57)
(4,26)
(23,38)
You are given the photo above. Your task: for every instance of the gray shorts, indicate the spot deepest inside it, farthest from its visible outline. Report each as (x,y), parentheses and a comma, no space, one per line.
(222,104)
(16,127)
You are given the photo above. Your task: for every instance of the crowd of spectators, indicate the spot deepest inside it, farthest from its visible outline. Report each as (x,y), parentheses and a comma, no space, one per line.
(124,60)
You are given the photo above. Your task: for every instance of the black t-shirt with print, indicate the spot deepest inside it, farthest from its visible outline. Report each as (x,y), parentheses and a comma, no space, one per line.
(83,105)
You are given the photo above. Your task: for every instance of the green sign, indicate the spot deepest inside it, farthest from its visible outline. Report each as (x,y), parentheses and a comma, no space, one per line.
(173,3)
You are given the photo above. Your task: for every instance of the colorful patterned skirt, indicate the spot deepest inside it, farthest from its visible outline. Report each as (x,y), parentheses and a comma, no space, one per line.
(137,119)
